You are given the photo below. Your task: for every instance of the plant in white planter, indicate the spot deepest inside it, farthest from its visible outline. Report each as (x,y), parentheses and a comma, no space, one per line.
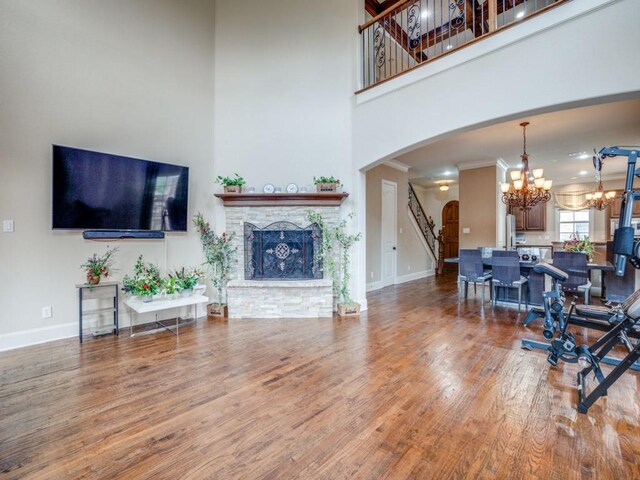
(336,258)
(219,254)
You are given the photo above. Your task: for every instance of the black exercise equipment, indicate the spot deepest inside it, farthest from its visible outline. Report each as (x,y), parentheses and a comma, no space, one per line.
(620,322)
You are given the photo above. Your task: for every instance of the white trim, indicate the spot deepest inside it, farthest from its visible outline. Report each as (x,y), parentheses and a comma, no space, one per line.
(478,164)
(395,232)
(403,167)
(374,286)
(34,336)
(409,277)
(502,165)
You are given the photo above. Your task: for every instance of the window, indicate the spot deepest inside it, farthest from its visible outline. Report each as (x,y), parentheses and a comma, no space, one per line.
(570,222)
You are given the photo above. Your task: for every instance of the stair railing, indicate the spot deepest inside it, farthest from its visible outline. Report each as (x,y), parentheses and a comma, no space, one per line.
(427,228)
(411,33)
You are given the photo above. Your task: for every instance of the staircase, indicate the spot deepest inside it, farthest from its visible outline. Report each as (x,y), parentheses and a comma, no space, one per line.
(426,226)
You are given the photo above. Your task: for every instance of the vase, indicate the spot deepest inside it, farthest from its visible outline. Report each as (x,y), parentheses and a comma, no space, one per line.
(326,187)
(186,292)
(147,298)
(233,189)
(94,279)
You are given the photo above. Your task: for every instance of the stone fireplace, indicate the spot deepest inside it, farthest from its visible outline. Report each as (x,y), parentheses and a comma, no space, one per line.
(277,273)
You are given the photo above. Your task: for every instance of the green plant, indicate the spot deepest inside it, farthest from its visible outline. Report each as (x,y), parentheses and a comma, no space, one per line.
(145,280)
(317,180)
(98,266)
(575,245)
(336,242)
(219,254)
(170,285)
(228,181)
(186,278)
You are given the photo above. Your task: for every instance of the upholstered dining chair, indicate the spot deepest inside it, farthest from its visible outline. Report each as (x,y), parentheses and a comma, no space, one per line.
(575,265)
(505,267)
(472,270)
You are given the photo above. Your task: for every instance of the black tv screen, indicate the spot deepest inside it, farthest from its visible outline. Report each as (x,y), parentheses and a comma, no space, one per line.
(100,191)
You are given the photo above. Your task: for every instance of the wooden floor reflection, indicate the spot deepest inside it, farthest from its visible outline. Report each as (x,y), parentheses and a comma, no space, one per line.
(423,385)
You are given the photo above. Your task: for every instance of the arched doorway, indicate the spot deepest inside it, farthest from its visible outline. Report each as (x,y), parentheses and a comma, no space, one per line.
(450,224)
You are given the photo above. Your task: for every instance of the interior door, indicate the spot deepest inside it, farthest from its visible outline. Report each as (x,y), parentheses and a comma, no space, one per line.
(450,224)
(388,234)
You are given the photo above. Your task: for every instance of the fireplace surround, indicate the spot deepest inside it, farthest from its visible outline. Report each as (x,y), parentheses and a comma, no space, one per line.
(280,223)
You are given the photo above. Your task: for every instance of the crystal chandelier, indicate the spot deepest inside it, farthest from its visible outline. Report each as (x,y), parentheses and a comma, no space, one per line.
(599,200)
(525,191)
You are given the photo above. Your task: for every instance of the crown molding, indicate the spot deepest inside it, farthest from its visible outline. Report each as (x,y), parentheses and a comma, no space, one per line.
(479,164)
(403,167)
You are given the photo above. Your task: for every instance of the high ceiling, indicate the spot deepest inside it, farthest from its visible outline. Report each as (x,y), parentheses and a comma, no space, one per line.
(553,140)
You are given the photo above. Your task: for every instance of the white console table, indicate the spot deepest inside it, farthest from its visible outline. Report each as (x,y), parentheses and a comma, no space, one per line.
(136,305)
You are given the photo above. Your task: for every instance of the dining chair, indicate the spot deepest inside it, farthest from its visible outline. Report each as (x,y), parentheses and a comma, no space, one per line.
(471,269)
(505,266)
(575,265)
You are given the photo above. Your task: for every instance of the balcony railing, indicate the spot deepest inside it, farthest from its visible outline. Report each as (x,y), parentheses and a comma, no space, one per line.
(411,33)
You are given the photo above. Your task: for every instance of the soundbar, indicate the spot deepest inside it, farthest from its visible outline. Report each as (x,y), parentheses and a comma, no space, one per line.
(121,234)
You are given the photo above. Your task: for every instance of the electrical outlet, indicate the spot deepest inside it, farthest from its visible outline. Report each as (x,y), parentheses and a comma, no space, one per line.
(409,268)
(372,275)
(466,230)
(7,226)
(401,230)
(46,312)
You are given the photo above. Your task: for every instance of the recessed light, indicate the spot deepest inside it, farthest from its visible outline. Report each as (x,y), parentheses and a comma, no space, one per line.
(584,156)
(520,15)
(580,155)
(424,14)
(447,173)
(573,178)
(583,172)
(449,47)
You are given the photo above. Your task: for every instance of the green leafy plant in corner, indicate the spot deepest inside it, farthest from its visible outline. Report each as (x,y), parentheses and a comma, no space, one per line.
(99,265)
(336,243)
(219,254)
(229,181)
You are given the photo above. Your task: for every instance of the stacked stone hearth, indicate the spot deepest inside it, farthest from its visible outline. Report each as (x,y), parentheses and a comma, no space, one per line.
(283,298)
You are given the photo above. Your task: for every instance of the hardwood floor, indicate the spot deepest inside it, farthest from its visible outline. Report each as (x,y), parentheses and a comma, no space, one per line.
(421,386)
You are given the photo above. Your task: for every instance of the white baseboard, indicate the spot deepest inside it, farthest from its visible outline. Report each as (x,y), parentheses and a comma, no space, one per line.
(415,276)
(374,286)
(35,336)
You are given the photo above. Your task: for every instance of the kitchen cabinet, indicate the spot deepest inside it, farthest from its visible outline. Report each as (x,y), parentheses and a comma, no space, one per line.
(532,220)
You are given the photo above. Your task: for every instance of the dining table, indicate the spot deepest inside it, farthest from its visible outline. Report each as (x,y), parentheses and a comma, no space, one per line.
(537,283)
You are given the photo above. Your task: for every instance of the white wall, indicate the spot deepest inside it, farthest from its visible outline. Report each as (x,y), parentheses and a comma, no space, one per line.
(567,57)
(284,81)
(131,78)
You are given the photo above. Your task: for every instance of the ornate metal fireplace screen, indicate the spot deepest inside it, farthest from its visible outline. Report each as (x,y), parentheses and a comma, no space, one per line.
(281,251)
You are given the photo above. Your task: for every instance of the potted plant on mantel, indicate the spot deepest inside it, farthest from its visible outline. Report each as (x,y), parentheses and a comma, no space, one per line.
(337,240)
(231,185)
(326,184)
(219,255)
(98,266)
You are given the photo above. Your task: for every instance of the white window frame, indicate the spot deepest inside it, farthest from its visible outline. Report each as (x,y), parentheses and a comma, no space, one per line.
(591,222)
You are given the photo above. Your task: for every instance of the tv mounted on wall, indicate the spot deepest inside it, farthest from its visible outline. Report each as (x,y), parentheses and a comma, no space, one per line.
(104,192)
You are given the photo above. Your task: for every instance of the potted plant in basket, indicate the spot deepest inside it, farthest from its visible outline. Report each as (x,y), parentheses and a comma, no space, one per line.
(231,185)
(326,184)
(145,281)
(219,254)
(335,256)
(98,266)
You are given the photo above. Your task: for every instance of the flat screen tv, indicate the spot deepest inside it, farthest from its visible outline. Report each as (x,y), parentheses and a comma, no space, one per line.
(100,191)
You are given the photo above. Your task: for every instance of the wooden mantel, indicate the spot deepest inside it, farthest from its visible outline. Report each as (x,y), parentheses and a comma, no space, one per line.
(309,199)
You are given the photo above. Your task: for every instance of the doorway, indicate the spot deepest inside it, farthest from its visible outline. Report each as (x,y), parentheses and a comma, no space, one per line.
(450,225)
(388,234)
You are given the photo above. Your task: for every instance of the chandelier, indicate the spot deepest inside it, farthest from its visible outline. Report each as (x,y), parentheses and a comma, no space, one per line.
(526,191)
(599,200)
(444,184)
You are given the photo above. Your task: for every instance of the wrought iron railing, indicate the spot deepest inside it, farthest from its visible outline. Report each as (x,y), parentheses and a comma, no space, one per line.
(413,32)
(427,228)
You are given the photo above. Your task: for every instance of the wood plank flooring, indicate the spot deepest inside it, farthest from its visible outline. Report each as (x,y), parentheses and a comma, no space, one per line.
(423,385)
